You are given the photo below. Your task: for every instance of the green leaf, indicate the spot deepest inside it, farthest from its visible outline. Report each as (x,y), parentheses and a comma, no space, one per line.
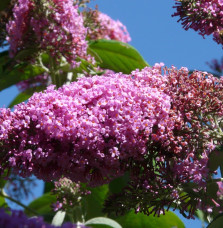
(215,159)
(3,180)
(93,203)
(48,186)
(3,55)
(58,218)
(2,183)
(25,95)
(25,54)
(217,222)
(84,66)
(19,72)
(3,203)
(42,206)
(4,4)
(200,215)
(4,61)
(132,220)
(212,189)
(116,185)
(102,222)
(116,56)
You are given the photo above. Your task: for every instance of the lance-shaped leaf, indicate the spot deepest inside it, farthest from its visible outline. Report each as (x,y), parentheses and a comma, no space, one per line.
(43,206)
(12,72)
(116,56)
(102,222)
(58,218)
(19,72)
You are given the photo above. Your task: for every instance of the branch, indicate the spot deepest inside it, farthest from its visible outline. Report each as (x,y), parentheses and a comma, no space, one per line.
(3,194)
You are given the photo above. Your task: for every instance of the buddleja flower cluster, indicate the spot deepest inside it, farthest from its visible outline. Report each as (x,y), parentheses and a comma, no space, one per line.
(96,125)
(175,172)
(17,219)
(69,194)
(205,16)
(101,26)
(216,66)
(53,26)
(56,27)
(160,128)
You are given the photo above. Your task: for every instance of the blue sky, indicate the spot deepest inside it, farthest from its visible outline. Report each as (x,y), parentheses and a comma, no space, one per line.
(158,37)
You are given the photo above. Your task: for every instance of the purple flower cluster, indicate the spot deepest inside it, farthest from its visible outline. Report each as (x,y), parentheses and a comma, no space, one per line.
(95,125)
(161,128)
(216,66)
(205,16)
(18,27)
(54,26)
(107,28)
(69,194)
(17,219)
(196,110)
(175,171)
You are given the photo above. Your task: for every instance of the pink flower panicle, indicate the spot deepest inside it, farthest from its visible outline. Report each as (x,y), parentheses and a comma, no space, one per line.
(69,194)
(178,159)
(96,124)
(197,99)
(205,16)
(18,27)
(161,128)
(105,27)
(196,110)
(55,26)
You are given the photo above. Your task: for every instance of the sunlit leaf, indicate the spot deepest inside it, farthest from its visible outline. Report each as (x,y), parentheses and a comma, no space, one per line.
(116,56)
(3,203)
(132,220)
(102,222)
(58,218)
